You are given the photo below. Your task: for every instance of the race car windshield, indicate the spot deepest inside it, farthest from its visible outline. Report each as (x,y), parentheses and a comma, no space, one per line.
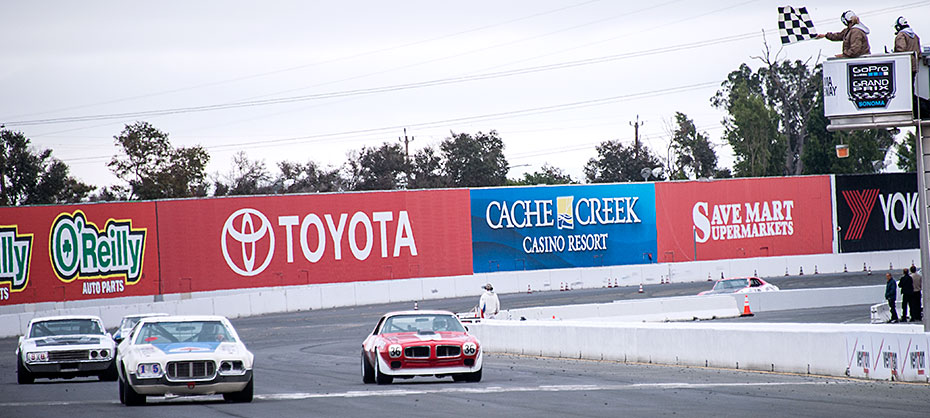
(65,327)
(421,324)
(731,284)
(186,331)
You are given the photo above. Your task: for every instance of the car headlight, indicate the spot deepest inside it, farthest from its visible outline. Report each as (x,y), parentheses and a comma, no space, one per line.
(149,371)
(231,367)
(469,349)
(36,356)
(395,350)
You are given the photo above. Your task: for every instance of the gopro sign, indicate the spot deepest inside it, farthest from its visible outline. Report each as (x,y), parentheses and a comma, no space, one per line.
(880,84)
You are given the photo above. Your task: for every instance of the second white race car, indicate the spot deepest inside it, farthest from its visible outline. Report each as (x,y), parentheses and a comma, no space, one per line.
(184,355)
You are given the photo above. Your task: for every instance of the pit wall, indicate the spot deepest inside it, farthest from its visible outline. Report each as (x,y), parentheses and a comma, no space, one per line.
(249,302)
(867,351)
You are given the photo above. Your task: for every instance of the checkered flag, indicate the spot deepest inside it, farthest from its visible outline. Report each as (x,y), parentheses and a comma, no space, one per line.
(795,25)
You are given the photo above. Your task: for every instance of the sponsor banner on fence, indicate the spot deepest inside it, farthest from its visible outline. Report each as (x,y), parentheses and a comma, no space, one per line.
(738,218)
(543,227)
(877,212)
(227,243)
(887,356)
(73,252)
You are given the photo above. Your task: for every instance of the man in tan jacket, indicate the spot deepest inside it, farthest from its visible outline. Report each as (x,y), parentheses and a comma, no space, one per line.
(906,40)
(855,37)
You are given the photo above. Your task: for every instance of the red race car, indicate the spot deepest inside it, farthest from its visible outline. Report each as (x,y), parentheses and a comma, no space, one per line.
(420,343)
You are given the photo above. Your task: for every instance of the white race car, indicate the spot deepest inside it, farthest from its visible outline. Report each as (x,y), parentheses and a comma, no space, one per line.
(740,285)
(184,355)
(128,322)
(65,346)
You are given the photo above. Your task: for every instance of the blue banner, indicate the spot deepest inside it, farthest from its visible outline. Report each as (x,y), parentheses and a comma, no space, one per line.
(545,227)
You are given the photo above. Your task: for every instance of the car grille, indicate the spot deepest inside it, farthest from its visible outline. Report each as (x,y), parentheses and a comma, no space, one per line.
(69,355)
(448,350)
(191,369)
(417,352)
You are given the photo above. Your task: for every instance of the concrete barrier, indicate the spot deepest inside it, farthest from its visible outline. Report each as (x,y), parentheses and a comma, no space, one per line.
(823,349)
(13,318)
(654,309)
(811,298)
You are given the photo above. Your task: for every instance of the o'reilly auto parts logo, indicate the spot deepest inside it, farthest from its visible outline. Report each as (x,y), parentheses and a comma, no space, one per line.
(248,237)
(871,85)
(79,249)
(15,259)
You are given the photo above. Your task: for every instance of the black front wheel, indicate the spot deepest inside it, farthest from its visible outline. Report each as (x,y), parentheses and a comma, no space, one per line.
(23,376)
(110,374)
(368,372)
(243,396)
(128,395)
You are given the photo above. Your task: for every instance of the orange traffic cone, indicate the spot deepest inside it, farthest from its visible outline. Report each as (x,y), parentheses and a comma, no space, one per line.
(640,288)
(529,289)
(616,283)
(746,311)
(561,286)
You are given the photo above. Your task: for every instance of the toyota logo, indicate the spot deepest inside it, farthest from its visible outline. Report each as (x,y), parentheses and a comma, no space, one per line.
(241,227)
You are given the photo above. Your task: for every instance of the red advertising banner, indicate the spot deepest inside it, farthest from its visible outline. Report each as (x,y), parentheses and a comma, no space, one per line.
(741,218)
(243,242)
(74,252)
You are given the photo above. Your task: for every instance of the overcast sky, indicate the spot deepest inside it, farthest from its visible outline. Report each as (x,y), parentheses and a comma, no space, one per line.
(313,80)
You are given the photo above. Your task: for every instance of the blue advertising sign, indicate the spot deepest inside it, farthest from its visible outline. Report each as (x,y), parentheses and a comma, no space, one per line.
(545,227)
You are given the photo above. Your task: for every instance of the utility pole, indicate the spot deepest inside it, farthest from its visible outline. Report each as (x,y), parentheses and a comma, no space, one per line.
(406,142)
(636,126)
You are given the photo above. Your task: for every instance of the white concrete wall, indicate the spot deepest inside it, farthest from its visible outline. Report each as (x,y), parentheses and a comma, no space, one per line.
(822,349)
(246,302)
(652,309)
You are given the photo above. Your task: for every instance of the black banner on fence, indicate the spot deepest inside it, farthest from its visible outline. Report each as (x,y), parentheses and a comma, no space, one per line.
(877,212)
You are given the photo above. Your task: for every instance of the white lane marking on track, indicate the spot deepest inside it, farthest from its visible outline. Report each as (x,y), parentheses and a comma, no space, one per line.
(440,391)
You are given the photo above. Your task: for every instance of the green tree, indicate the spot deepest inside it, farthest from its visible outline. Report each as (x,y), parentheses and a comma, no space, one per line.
(906,152)
(547,174)
(153,168)
(247,177)
(474,161)
(308,178)
(867,148)
(618,163)
(28,177)
(426,170)
(381,168)
(694,154)
(751,125)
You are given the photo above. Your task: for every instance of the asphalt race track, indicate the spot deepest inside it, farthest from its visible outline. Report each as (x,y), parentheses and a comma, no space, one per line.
(307,364)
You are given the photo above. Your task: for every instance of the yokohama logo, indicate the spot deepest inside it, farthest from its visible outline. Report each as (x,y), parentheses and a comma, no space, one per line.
(861,203)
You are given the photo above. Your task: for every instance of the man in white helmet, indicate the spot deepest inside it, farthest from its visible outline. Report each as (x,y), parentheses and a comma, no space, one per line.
(855,37)
(906,40)
(489,305)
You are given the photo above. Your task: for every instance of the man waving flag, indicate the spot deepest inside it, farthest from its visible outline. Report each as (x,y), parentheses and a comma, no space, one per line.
(795,25)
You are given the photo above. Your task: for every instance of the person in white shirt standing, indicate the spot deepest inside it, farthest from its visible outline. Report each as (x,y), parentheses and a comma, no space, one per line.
(489,305)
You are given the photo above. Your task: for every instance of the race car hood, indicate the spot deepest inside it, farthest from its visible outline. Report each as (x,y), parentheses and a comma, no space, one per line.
(413,337)
(187,348)
(67,340)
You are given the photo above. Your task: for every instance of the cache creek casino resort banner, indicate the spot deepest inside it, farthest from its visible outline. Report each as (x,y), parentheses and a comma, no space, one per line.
(547,227)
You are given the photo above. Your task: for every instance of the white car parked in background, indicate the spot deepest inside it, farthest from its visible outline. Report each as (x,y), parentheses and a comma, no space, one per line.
(128,322)
(65,346)
(184,355)
(740,285)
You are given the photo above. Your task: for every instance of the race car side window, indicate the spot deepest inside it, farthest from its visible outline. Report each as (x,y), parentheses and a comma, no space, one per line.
(756,283)
(377,329)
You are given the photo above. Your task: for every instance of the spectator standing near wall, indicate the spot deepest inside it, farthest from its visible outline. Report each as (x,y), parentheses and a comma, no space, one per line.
(916,310)
(489,304)
(906,283)
(891,295)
